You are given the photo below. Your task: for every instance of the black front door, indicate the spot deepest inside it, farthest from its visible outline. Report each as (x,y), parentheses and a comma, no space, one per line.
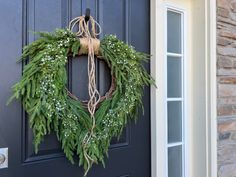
(129,20)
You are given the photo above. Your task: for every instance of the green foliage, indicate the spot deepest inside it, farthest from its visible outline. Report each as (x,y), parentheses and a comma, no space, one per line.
(43,92)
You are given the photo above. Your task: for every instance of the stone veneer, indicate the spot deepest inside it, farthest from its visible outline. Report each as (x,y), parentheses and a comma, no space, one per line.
(226,76)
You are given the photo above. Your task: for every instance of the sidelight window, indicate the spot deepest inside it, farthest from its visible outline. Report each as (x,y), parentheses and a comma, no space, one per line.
(175,93)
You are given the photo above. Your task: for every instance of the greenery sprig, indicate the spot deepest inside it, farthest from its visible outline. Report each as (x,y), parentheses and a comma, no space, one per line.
(44,95)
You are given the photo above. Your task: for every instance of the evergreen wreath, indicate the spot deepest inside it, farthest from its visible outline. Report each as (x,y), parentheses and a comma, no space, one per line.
(51,108)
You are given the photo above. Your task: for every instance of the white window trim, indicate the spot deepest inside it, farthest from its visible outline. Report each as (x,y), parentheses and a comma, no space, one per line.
(157,111)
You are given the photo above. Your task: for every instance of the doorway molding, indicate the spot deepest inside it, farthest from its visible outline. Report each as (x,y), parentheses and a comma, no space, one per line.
(158,131)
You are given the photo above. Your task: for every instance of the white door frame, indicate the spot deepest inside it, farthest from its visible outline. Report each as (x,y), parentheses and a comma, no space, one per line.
(158,144)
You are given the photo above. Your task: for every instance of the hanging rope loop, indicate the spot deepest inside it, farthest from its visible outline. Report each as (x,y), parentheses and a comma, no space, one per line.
(87,34)
(84,27)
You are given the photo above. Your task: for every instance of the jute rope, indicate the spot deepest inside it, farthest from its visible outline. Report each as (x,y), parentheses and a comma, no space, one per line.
(88,36)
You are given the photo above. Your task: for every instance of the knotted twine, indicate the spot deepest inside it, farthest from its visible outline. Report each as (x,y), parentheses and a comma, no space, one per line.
(87,36)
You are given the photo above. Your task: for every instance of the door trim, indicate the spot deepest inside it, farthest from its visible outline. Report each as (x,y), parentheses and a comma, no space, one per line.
(158,95)
(212,90)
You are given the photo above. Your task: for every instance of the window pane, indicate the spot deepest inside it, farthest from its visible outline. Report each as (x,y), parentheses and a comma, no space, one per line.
(174,32)
(175,161)
(174,77)
(174,111)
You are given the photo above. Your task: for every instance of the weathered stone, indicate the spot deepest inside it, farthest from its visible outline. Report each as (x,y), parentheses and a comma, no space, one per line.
(226,110)
(223,12)
(223,41)
(226,72)
(227,101)
(224,136)
(228,170)
(225,26)
(227,127)
(226,152)
(226,87)
(233,16)
(226,90)
(223,4)
(233,136)
(227,80)
(233,6)
(225,62)
(227,21)
(228,33)
(233,44)
(219,26)
(227,51)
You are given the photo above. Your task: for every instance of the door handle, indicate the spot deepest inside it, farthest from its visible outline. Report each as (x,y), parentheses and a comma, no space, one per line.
(2,158)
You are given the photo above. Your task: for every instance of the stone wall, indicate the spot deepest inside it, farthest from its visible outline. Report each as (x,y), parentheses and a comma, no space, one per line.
(226,75)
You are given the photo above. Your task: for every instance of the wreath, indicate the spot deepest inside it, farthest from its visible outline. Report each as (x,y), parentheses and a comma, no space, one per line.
(85,133)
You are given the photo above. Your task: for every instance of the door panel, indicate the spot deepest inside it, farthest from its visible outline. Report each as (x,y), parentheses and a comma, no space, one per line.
(129,20)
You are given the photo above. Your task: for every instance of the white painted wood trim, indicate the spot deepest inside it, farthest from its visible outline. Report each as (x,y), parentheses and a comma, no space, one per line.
(158,143)
(212,90)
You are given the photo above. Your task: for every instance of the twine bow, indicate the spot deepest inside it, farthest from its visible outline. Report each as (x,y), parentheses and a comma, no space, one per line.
(85,33)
